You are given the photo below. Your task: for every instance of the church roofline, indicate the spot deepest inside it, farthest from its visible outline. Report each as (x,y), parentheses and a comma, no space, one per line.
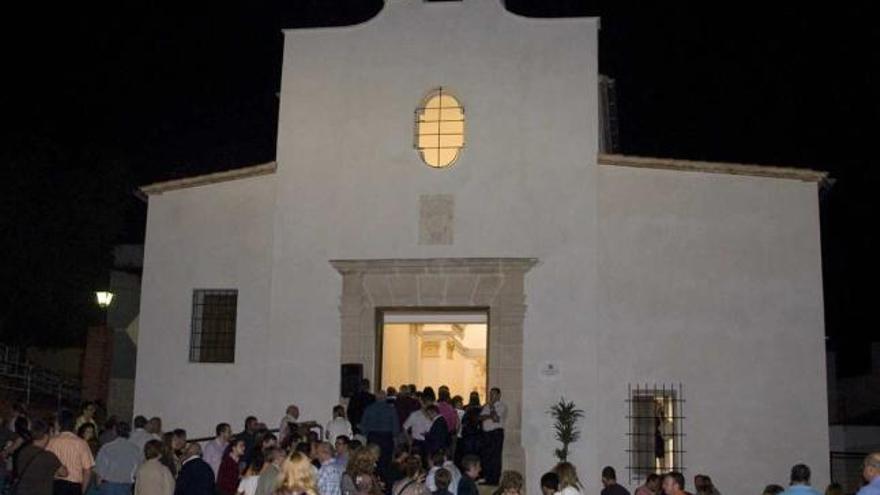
(802,174)
(212,178)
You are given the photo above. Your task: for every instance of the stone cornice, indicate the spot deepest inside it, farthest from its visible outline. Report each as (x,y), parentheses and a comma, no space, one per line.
(202,180)
(802,174)
(415,265)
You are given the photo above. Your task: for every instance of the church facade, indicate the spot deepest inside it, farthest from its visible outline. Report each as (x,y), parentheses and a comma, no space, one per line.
(443,157)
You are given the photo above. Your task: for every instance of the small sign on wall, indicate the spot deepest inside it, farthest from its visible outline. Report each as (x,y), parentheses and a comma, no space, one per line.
(550,370)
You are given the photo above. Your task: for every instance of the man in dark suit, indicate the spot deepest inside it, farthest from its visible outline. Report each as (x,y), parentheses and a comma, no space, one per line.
(196,476)
(438,436)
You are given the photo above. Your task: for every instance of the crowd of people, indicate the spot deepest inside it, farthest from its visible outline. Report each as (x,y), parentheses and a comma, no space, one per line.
(394,442)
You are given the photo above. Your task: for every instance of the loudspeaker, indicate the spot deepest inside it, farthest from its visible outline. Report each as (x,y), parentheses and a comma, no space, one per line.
(352,374)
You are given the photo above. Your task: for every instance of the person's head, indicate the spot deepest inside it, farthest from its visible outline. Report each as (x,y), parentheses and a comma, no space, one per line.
(223,431)
(442,478)
(178,439)
(365,385)
(154,426)
(274,455)
(86,431)
(122,429)
(250,424)
(439,457)
(110,423)
(567,475)
(443,394)
(268,440)
(412,467)
(88,410)
(549,483)
(470,464)
(152,449)
(255,466)
(380,395)
(338,411)
(494,394)
(355,445)
(341,445)
(432,412)
(324,452)
(361,461)
(511,483)
(834,489)
(773,490)
(458,402)
(871,467)
(66,420)
(653,482)
(800,474)
(237,448)
(609,477)
(140,422)
(428,395)
(391,392)
(292,411)
(39,432)
(192,449)
(673,482)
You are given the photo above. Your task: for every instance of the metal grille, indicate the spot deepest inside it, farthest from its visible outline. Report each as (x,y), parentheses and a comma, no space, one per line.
(656,435)
(213,326)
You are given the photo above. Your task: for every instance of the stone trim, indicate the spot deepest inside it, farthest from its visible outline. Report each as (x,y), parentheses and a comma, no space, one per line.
(775,172)
(368,286)
(202,180)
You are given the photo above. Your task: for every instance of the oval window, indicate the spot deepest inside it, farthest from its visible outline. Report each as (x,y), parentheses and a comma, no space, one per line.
(439,132)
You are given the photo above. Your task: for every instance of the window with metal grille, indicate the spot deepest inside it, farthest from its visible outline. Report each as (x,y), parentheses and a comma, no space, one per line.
(656,437)
(439,129)
(213,326)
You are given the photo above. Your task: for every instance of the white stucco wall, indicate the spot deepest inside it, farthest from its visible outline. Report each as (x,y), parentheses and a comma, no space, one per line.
(211,237)
(714,282)
(349,179)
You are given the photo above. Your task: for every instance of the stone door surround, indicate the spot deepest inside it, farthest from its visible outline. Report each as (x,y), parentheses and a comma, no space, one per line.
(494,283)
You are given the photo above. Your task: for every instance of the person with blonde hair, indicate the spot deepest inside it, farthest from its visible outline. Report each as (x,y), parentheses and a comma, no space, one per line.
(569,483)
(511,484)
(360,474)
(297,476)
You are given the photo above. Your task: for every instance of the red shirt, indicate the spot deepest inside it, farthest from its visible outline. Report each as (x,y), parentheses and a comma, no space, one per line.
(449,414)
(228,476)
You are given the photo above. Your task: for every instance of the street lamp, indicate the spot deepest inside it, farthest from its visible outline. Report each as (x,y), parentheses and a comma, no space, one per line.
(104,298)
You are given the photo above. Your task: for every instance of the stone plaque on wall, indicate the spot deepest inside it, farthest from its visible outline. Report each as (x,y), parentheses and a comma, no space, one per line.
(436,219)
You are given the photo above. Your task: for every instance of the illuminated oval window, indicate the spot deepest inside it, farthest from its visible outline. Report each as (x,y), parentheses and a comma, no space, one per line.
(439,132)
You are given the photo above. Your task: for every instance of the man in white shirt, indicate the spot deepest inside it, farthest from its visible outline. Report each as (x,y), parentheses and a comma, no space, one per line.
(417,425)
(494,415)
(140,436)
(212,453)
(338,426)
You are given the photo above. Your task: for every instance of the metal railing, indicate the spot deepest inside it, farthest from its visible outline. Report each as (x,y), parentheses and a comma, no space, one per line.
(19,375)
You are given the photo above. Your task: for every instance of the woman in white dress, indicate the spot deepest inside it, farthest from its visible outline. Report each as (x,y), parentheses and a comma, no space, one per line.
(569,484)
(251,477)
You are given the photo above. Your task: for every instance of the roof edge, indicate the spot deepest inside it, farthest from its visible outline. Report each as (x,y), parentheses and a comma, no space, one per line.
(805,175)
(212,178)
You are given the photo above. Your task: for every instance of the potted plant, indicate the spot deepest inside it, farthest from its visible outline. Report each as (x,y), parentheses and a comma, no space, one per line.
(565,417)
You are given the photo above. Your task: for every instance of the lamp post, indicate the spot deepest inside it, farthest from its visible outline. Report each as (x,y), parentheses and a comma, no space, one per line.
(97,354)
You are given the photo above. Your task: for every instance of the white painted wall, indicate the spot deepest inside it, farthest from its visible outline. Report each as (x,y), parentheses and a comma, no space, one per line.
(349,179)
(211,237)
(714,282)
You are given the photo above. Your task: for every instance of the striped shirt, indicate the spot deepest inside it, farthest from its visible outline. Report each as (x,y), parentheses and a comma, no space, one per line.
(74,454)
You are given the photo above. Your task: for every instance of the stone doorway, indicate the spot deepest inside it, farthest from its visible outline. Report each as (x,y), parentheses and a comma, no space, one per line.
(496,285)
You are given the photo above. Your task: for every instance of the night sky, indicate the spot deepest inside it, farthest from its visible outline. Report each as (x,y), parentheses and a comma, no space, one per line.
(103,98)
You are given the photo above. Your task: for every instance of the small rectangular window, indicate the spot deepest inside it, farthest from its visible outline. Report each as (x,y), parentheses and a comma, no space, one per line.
(656,438)
(213,326)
